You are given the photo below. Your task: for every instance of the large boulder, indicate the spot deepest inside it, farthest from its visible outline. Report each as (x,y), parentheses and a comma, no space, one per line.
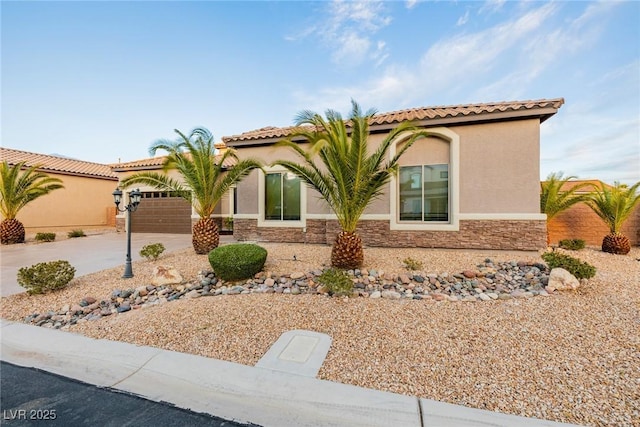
(162,275)
(560,279)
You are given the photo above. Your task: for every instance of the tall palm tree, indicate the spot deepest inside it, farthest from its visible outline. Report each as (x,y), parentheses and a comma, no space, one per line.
(553,199)
(340,167)
(16,191)
(205,179)
(614,205)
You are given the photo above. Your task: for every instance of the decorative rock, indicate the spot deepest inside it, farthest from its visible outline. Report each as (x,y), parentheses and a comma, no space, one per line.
(560,279)
(192,294)
(485,297)
(499,281)
(123,308)
(390,294)
(165,276)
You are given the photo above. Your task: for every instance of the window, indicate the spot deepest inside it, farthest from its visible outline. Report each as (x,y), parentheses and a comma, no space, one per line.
(424,193)
(282,197)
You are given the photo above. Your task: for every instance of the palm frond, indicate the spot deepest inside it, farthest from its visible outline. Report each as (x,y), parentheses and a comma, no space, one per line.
(338,163)
(614,204)
(20,185)
(553,199)
(205,179)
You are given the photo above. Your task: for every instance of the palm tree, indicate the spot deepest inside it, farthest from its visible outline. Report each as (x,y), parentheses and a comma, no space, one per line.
(16,191)
(205,179)
(346,174)
(614,205)
(554,200)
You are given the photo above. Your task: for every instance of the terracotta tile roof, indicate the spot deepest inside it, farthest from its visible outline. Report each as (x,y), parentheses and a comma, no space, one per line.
(154,163)
(544,108)
(57,164)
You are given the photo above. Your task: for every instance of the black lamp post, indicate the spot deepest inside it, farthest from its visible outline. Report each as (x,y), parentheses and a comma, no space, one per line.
(134,201)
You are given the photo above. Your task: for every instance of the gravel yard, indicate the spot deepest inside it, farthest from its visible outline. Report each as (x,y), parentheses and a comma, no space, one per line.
(571,357)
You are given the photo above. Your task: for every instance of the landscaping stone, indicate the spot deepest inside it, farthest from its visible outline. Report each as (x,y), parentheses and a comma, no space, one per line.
(560,279)
(162,275)
(488,282)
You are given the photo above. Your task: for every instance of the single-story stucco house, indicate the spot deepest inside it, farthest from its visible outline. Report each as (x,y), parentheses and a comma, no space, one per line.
(84,202)
(474,183)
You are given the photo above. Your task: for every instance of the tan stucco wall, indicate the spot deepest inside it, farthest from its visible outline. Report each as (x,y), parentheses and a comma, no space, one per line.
(499,169)
(84,202)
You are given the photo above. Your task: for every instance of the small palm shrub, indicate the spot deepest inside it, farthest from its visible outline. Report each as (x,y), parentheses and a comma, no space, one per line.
(75,233)
(152,251)
(614,205)
(580,269)
(237,261)
(45,276)
(412,264)
(337,282)
(572,244)
(45,237)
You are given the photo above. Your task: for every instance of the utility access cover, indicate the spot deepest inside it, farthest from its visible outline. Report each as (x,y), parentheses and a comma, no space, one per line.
(297,352)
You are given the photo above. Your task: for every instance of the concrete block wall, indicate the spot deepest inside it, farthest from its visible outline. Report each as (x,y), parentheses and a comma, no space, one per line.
(580,222)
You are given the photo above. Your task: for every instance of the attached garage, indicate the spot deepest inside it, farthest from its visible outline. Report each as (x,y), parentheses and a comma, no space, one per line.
(161,212)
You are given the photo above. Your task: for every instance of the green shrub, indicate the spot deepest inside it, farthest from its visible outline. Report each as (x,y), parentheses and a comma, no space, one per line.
(152,251)
(337,282)
(572,244)
(237,261)
(45,276)
(76,233)
(228,223)
(412,264)
(45,237)
(580,269)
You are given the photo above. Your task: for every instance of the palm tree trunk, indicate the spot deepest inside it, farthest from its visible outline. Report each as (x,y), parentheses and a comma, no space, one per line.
(347,251)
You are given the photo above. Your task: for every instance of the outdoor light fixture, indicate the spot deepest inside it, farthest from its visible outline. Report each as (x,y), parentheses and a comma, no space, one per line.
(134,201)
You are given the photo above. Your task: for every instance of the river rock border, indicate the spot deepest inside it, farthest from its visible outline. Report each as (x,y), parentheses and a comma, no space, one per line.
(488,282)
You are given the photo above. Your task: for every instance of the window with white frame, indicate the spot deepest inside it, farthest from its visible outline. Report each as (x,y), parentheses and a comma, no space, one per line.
(424,193)
(281,197)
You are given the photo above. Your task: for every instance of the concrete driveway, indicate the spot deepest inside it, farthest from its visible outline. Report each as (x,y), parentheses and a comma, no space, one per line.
(87,254)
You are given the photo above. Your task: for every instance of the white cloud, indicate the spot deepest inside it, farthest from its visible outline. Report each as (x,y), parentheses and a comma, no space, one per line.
(410,4)
(491,6)
(463,19)
(347,29)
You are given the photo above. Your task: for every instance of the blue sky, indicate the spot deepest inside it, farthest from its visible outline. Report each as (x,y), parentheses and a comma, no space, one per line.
(101,81)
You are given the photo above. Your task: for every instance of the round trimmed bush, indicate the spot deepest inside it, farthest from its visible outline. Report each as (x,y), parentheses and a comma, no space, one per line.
(237,261)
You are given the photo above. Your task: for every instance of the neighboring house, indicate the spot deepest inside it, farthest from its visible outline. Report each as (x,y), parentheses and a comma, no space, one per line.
(581,222)
(474,183)
(161,211)
(84,202)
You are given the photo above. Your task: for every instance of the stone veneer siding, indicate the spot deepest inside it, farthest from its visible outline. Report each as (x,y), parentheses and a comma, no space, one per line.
(473,234)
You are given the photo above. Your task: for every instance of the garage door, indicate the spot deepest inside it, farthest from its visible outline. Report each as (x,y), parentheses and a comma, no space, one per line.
(161,212)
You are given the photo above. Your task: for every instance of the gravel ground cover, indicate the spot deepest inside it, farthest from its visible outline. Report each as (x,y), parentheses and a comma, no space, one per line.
(571,357)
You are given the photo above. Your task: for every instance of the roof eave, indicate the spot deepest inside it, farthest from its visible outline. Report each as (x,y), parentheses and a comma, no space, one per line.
(542,113)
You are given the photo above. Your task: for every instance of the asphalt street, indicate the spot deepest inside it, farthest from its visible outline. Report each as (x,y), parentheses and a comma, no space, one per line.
(31,397)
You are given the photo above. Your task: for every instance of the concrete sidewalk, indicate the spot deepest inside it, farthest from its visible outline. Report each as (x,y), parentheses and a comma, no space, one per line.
(231,391)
